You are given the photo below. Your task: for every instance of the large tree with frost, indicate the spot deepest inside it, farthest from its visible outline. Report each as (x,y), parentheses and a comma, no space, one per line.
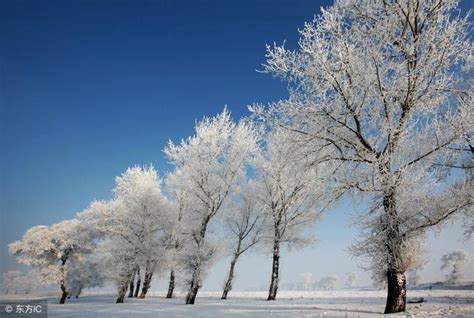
(385,85)
(208,165)
(52,250)
(135,226)
(291,195)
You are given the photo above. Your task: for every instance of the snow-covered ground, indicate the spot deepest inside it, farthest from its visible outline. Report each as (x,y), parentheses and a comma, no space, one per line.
(343,303)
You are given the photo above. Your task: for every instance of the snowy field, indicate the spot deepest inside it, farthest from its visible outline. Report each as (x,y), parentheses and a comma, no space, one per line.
(346,303)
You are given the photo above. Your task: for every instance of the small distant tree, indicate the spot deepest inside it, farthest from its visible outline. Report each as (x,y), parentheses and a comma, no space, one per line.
(208,166)
(9,281)
(351,279)
(454,262)
(328,282)
(307,281)
(243,226)
(414,275)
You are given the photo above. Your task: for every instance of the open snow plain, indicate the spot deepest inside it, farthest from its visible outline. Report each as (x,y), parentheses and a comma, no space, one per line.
(342,303)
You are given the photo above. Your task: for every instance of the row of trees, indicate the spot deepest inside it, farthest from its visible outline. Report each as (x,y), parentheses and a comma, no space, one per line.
(150,227)
(379,109)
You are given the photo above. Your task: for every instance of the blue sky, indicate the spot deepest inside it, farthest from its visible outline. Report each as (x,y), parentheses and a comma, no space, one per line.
(88,88)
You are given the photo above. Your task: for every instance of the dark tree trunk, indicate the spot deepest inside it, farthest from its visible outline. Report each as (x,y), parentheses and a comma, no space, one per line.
(146,283)
(396,280)
(397,291)
(191,296)
(64,294)
(63,280)
(193,288)
(132,285)
(275,270)
(139,282)
(78,293)
(131,288)
(171,285)
(122,292)
(196,279)
(230,277)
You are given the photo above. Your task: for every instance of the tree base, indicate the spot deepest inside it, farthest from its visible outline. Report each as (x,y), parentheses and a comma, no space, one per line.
(396,292)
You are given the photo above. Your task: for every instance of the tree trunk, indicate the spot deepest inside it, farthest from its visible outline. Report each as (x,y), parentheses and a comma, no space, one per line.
(230,277)
(171,285)
(275,270)
(396,280)
(139,282)
(146,283)
(79,292)
(196,279)
(132,286)
(397,291)
(64,294)
(193,290)
(122,292)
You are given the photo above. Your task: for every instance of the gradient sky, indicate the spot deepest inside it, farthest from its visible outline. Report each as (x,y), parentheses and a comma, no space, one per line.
(88,88)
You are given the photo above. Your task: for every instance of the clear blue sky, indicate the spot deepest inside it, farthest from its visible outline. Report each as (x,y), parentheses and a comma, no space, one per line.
(88,88)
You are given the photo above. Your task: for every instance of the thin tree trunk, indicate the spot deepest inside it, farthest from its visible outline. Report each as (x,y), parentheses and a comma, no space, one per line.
(122,292)
(397,290)
(275,270)
(64,294)
(139,282)
(132,285)
(63,280)
(171,285)
(230,278)
(131,288)
(78,292)
(196,279)
(146,283)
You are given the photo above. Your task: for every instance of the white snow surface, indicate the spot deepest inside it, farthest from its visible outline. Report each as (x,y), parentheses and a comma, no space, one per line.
(341,303)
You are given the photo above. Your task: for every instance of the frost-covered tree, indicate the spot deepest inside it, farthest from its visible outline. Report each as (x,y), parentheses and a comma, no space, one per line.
(52,250)
(178,204)
(307,282)
(328,282)
(454,262)
(386,85)
(208,164)
(244,224)
(290,196)
(9,281)
(414,274)
(351,279)
(16,282)
(135,226)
